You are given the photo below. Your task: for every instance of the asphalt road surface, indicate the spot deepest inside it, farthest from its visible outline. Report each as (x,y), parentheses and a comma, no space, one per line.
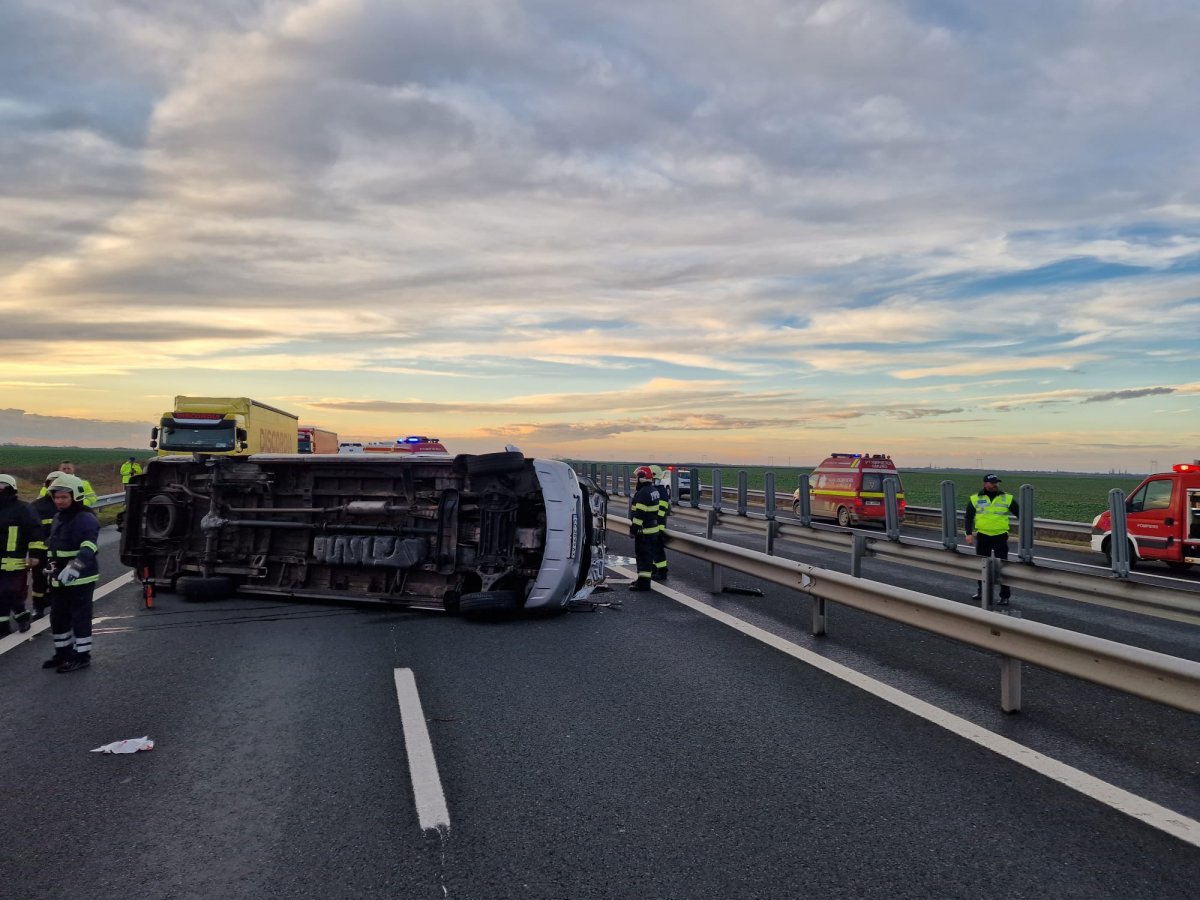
(643,750)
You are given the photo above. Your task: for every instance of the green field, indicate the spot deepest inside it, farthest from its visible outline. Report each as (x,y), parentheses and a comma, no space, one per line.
(102,467)
(1069,497)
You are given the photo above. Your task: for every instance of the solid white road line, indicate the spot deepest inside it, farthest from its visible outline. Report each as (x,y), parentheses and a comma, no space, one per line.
(36,628)
(1173,823)
(427,786)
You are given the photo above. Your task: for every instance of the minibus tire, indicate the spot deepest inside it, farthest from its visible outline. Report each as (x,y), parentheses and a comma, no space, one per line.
(486,602)
(843,517)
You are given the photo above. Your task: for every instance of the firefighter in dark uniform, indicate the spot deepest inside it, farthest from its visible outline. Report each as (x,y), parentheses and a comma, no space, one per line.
(17,528)
(985,520)
(645,525)
(664,509)
(73,571)
(43,511)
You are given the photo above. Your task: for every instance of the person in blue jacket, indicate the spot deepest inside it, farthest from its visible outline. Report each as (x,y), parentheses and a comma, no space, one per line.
(73,571)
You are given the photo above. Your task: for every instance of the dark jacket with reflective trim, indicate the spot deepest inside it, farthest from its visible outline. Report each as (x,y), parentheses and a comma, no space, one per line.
(44,511)
(645,509)
(73,537)
(17,528)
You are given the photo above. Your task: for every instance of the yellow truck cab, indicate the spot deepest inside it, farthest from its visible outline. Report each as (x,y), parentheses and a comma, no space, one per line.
(848,487)
(224,426)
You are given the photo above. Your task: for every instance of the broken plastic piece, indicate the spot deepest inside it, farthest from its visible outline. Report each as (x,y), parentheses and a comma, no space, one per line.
(130,745)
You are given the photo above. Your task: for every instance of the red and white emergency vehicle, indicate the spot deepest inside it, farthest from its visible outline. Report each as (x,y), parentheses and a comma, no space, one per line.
(848,487)
(1162,518)
(414,443)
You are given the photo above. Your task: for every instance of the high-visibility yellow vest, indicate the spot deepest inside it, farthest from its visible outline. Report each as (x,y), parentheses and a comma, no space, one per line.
(991,513)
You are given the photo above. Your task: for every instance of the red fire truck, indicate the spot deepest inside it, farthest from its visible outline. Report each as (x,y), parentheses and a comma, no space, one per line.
(1162,516)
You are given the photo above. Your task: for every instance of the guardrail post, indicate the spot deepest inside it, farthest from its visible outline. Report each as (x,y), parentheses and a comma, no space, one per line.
(987,580)
(742,484)
(1025,525)
(949,517)
(694,490)
(805,509)
(1010,684)
(891,508)
(818,616)
(717,573)
(769,508)
(717,490)
(611,488)
(1118,540)
(858,550)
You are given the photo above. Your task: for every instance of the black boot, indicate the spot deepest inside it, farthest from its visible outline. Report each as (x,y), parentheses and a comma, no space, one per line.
(22,619)
(78,661)
(5,627)
(642,584)
(60,658)
(660,575)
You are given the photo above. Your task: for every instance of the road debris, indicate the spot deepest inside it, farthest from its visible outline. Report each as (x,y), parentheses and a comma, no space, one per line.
(129,745)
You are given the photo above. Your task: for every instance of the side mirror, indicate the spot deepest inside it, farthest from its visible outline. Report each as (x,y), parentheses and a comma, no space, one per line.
(153,435)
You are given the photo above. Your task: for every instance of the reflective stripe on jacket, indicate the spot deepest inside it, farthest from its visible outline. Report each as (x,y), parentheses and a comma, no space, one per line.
(17,528)
(645,509)
(73,537)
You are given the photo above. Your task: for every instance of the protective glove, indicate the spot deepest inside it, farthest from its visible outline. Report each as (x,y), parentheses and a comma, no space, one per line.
(70,574)
(634,531)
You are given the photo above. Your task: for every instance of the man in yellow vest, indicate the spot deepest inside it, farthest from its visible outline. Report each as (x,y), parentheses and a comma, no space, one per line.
(985,521)
(129,468)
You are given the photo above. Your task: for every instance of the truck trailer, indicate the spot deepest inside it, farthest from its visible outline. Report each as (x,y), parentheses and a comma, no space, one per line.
(312,439)
(469,533)
(224,426)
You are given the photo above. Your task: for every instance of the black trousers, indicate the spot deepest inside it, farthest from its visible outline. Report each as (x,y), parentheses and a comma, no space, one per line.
(38,582)
(660,552)
(645,550)
(993,545)
(71,618)
(13,588)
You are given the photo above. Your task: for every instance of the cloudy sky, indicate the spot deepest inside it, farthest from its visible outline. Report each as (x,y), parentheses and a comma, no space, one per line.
(965,233)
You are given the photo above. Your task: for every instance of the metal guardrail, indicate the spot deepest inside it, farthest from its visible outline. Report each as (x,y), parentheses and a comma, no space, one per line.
(616,480)
(108,500)
(1066,580)
(1144,673)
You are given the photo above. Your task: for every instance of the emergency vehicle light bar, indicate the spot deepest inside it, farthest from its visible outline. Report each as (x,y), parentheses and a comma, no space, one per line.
(1185,467)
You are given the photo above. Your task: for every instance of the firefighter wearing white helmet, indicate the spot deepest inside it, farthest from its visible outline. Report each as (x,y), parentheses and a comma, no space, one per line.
(645,526)
(43,511)
(17,528)
(73,571)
